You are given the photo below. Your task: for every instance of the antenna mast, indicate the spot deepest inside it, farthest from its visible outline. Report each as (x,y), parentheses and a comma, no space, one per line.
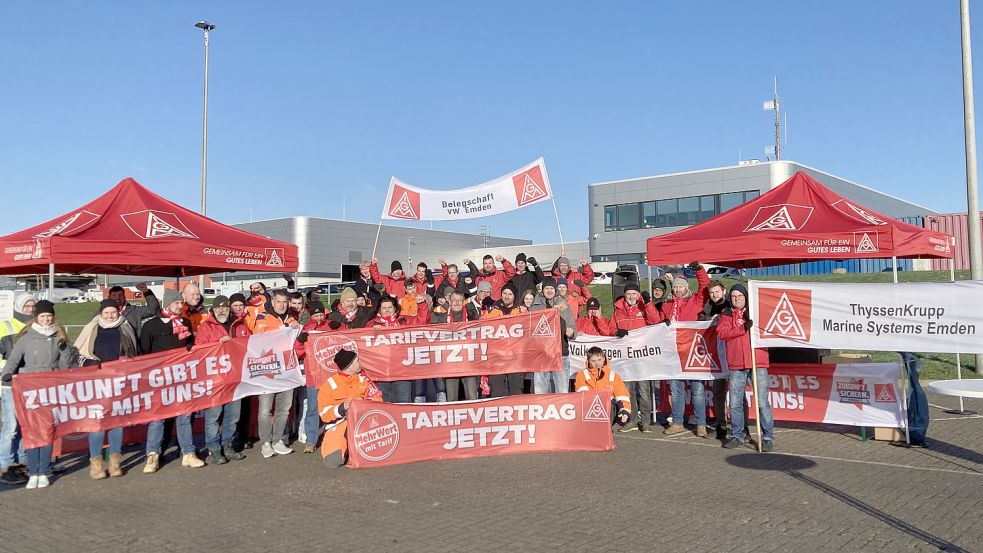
(777,106)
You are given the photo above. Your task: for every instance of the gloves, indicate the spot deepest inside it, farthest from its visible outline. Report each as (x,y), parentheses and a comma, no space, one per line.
(694,265)
(646,297)
(302,337)
(623,417)
(578,282)
(668,322)
(748,323)
(334,325)
(532,261)
(468,280)
(487,302)
(380,287)
(621,333)
(701,317)
(342,410)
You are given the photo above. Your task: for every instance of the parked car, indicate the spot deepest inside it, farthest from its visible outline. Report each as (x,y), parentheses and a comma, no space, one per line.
(726,272)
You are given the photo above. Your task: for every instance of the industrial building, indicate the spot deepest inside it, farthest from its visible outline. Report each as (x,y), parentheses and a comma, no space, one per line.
(624,213)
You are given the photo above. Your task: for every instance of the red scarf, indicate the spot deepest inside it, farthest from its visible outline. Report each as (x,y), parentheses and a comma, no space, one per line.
(392,320)
(350,316)
(177,326)
(257,300)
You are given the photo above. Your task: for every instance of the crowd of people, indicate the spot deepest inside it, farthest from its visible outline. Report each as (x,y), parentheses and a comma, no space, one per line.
(34,341)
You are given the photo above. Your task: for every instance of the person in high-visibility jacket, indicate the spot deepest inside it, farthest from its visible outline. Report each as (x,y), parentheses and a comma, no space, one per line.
(333,400)
(599,376)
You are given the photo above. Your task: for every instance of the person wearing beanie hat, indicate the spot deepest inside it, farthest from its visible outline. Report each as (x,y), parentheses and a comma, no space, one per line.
(593,322)
(559,380)
(490,274)
(24,307)
(220,326)
(716,303)
(107,337)
(349,314)
(237,302)
(527,274)
(40,346)
(169,330)
(309,420)
(333,400)
(364,286)
(580,277)
(686,306)
(393,282)
(631,313)
(734,327)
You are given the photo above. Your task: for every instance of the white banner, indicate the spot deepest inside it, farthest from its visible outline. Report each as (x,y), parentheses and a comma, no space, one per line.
(942,317)
(683,351)
(520,188)
(6,304)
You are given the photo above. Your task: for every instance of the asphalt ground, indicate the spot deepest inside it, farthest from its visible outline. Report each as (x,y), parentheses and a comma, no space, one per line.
(823,489)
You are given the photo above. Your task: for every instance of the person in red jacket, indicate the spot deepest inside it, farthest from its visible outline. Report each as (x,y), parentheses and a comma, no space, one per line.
(593,322)
(734,328)
(393,281)
(630,313)
(311,422)
(580,277)
(218,327)
(687,306)
(387,316)
(490,274)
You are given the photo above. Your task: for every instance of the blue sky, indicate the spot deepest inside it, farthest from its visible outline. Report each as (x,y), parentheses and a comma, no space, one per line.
(314,102)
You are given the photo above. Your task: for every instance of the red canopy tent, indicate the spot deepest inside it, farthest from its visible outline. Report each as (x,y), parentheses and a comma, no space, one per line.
(130,230)
(800,220)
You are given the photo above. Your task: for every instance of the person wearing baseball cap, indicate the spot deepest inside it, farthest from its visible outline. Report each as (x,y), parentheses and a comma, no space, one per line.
(335,398)
(220,326)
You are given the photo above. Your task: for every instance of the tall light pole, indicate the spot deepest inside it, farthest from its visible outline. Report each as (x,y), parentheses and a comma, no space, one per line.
(972,187)
(204,26)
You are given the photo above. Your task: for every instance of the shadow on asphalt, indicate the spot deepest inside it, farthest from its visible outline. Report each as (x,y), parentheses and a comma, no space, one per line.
(791,465)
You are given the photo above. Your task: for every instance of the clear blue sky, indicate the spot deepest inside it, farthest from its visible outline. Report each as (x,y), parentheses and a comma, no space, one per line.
(314,101)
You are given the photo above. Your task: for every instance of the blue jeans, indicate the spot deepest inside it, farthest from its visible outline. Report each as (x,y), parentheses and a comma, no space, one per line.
(677,389)
(312,420)
(9,431)
(215,435)
(155,434)
(559,379)
(39,460)
(115,442)
(737,382)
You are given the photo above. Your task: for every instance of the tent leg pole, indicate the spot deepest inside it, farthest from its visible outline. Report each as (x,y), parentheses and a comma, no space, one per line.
(51,282)
(894,265)
(959,370)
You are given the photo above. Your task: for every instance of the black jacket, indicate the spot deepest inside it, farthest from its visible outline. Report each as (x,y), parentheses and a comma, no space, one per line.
(710,309)
(363,315)
(527,280)
(158,335)
(366,288)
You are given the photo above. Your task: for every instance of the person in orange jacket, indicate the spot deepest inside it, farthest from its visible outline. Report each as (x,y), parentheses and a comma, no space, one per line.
(333,400)
(599,376)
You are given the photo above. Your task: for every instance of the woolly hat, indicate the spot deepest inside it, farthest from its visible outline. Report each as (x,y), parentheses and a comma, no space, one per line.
(563,260)
(170,296)
(562,281)
(511,287)
(348,294)
(485,286)
(44,306)
(107,303)
(520,257)
(739,288)
(632,286)
(680,281)
(344,358)
(593,303)
(22,300)
(221,301)
(395,266)
(237,297)
(316,307)
(549,282)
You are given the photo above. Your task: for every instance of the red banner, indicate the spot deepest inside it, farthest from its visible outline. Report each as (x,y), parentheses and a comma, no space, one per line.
(528,342)
(55,404)
(382,434)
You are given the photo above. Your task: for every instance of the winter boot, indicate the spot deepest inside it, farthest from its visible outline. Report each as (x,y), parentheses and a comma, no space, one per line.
(96,470)
(115,470)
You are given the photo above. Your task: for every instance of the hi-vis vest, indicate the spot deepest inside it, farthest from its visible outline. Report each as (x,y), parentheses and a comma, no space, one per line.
(9,327)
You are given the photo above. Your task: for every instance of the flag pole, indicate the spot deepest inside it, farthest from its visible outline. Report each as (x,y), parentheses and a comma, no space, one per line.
(754,374)
(556,213)
(376,244)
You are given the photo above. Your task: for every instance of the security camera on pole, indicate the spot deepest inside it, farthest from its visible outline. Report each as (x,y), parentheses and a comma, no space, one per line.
(204,26)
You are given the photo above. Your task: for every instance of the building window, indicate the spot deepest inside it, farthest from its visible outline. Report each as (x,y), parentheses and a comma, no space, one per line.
(730,201)
(689,211)
(649,220)
(610,217)
(666,216)
(750,195)
(708,208)
(629,217)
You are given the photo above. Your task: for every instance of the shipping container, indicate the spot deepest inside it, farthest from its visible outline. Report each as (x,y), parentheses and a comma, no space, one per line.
(954,224)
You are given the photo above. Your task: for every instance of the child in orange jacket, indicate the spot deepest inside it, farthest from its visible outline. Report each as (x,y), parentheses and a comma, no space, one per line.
(599,376)
(333,399)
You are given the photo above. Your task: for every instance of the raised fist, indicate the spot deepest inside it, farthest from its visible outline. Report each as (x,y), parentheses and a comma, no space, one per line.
(499,258)
(583,262)
(694,265)
(442,261)
(467,261)
(375,260)
(532,261)
(142,287)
